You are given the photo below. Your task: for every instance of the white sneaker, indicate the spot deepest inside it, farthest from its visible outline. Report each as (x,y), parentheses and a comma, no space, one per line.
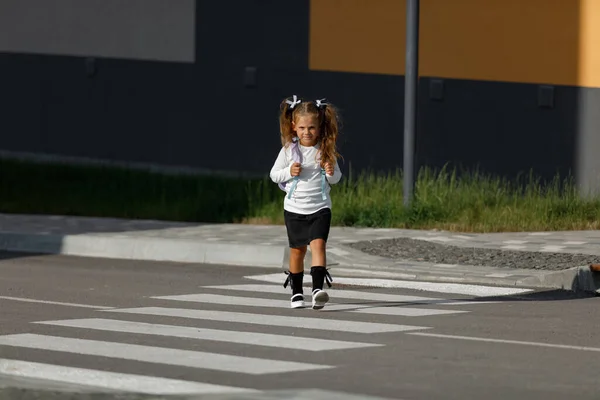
(319,298)
(297,301)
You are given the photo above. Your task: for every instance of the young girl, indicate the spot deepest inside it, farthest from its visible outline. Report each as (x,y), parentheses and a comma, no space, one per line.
(304,169)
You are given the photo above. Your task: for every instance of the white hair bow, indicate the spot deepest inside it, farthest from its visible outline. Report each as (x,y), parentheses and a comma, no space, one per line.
(320,103)
(294,102)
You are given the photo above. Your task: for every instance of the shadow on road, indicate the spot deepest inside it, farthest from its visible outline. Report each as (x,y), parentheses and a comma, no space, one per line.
(543,295)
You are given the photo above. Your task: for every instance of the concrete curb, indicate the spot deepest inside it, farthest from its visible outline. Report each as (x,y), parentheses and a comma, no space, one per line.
(578,279)
(144,248)
(440,278)
(122,246)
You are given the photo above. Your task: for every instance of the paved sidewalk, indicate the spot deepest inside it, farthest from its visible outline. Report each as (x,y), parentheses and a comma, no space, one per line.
(266,246)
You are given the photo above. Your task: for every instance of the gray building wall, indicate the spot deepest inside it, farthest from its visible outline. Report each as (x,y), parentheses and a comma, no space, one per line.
(587,147)
(155,30)
(198,84)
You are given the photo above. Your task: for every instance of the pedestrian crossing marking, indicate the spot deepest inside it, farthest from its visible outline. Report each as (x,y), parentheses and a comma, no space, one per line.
(240,337)
(440,287)
(365,302)
(387,309)
(344,294)
(112,380)
(270,320)
(56,303)
(158,355)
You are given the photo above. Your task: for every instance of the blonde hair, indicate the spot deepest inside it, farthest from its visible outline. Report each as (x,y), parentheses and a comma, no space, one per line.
(328,120)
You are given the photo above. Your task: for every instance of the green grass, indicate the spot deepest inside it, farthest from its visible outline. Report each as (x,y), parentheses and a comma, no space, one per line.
(474,202)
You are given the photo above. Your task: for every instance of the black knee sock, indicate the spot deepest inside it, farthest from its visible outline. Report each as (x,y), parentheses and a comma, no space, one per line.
(318,277)
(296,281)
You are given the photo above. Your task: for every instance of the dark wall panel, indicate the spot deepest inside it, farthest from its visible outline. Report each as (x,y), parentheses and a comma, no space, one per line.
(237,124)
(22,126)
(498,127)
(372,111)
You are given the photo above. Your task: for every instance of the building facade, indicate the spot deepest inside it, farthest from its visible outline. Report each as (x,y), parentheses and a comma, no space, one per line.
(506,86)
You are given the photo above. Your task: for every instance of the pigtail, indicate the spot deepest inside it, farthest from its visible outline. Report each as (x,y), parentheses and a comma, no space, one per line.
(286,117)
(330,123)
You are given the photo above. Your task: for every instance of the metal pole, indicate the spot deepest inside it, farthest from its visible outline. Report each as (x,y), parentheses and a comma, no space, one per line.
(410,95)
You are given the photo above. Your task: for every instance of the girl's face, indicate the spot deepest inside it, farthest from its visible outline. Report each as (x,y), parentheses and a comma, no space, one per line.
(307,129)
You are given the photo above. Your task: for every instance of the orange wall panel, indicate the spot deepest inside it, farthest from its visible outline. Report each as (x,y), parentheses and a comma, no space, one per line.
(501,40)
(357,36)
(589,44)
(534,41)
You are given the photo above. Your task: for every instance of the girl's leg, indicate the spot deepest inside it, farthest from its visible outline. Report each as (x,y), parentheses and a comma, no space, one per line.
(318,272)
(318,251)
(296,276)
(297,256)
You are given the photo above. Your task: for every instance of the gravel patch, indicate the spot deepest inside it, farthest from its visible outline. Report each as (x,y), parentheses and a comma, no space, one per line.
(425,251)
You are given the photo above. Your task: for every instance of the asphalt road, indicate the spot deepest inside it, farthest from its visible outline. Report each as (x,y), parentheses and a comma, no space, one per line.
(98,316)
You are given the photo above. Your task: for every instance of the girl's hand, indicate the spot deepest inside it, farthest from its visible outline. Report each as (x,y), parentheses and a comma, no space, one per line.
(328,169)
(295,169)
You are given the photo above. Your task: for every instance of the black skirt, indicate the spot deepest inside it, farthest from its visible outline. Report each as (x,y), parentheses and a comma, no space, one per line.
(303,229)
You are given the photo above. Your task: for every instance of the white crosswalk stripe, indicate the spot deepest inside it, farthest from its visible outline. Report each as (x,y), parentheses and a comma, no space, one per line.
(261,302)
(111,380)
(253,338)
(158,355)
(346,294)
(270,320)
(255,300)
(440,287)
